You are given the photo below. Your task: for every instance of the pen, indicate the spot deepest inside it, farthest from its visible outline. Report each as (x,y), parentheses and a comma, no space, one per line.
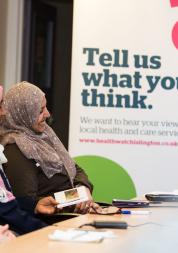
(134,212)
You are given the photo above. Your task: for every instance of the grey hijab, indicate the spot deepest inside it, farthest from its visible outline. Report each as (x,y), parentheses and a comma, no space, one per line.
(23,104)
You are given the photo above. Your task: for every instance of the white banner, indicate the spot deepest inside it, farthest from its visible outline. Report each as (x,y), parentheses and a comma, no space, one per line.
(124,93)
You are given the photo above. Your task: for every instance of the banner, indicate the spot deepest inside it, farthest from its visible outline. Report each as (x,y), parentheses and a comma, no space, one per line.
(124,95)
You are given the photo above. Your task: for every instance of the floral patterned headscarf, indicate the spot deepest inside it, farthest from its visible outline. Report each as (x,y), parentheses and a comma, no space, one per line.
(23,104)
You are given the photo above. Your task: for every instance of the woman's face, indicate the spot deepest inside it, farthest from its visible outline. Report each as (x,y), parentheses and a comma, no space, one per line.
(39,125)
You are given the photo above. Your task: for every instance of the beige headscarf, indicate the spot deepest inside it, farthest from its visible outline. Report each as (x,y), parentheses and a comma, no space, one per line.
(23,104)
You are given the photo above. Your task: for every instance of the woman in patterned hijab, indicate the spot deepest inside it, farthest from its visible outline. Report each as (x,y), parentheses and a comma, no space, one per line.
(25,125)
(36,140)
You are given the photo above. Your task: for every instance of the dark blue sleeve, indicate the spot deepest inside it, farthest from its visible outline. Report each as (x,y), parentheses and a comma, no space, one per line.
(20,221)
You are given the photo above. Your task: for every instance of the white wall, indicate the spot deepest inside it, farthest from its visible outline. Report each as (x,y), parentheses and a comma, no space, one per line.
(11,26)
(3,15)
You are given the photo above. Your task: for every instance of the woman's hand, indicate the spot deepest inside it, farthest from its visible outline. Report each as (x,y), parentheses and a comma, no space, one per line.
(83,207)
(47,205)
(5,233)
(87,206)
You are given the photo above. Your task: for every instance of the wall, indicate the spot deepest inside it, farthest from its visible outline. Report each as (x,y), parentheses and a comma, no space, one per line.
(11,25)
(3,15)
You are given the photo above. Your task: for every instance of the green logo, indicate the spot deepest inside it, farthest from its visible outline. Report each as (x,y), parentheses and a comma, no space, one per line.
(110,180)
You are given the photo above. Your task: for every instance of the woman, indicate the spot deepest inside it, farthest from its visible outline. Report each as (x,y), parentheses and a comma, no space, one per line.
(10,211)
(38,164)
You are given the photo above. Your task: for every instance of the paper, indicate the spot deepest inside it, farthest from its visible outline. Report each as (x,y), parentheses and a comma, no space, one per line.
(76,235)
(175,192)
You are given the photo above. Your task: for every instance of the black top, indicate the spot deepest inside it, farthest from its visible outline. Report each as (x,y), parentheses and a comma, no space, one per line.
(11,212)
(28,180)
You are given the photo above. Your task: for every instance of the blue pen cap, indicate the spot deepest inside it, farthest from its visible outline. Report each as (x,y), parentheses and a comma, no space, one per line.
(126,212)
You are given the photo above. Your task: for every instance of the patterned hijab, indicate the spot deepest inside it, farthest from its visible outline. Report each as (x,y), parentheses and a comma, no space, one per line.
(23,105)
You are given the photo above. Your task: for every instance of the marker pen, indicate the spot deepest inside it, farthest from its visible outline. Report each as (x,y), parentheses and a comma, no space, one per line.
(134,212)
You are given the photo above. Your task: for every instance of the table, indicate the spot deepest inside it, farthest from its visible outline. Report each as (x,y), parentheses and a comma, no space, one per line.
(158,234)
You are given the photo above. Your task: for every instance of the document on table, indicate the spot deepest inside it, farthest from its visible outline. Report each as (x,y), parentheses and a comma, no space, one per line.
(76,235)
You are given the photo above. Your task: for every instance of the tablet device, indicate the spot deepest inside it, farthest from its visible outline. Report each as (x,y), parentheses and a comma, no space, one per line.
(162,197)
(71,196)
